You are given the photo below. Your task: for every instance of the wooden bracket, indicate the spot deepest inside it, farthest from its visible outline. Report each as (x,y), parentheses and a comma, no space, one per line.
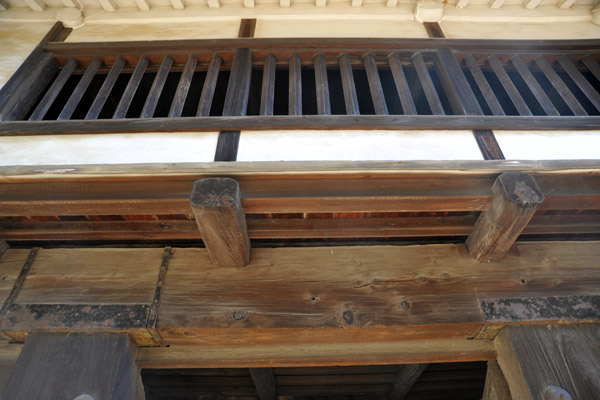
(217,206)
(515,198)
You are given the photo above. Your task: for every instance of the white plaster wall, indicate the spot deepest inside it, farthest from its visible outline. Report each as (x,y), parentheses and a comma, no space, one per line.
(17,40)
(375,27)
(558,145)
(520,30)
(163,147)
(357,145)
(110,32)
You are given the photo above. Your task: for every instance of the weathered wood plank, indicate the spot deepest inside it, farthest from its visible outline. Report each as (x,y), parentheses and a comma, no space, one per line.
(541,362)
(560,86)
(208,89)
(483,85)
(488,144)
(157,87)
(322,85)
(348,86)
(183,87)
(516,197)
(216,203)
(106,88)
(406,99)
(426,83)
(67,366)
(267,93)
(375,87)
(583,84)
(295,85)
(496,387)
(509,86)
(132,85)
(227,146)
(592,66)
(54,90)
(534,86)
(247,27)
(80,89)
(457,88)
(264,381)
(405,379)
(434,30)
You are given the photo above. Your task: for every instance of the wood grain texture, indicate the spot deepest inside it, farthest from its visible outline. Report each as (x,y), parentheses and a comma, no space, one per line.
(11,264)
(208,88)
(322,85)
(348,86)
(295,85)
(375,88)
(484,87)
(533,358)
(157,87)
(405,379)
(509,86)
(582,83)
(496,387)
(183,87)
(515,199)
(431,93)
(267,93)
(560,86)
(131,88)
(264,381)
(53,91)
(106,88)
(486,140)
(216,203)
(406,99)
(57,365)
(457,88)
(534,86)
(80,89)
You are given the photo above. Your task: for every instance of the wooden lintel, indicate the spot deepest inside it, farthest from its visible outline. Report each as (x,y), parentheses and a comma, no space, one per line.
(264,381)
(515,198)
(496,387)
(217,207)
(405,379)
(551,362)
(68,366)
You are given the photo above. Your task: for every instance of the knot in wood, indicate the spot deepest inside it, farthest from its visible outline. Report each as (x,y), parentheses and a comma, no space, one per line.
(348,317)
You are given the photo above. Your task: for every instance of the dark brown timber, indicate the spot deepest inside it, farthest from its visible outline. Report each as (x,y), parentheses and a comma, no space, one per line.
(208,89)
(509,86)
(375,86)
(295,85)
(106,88)
(496,387)
(406,99)
(457,88)
(157,87)
(592,65)
(216,203)
(405,379)
(267,94)
(131,88)
(430,92)
(82,85)
(434,30)
(322,85)
(483,85)
(236,99)
(247,27)
(560,86)
(515,198)
(183,87)
(583,84)
(348,86)
(490,149)
(264,381)
(54,90)
(534,86)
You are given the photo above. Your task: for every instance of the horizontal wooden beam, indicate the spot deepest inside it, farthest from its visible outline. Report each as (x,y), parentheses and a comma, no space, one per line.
(316,122)
(293,228)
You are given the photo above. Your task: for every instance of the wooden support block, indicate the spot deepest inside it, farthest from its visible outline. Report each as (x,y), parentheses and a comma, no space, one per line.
(213,4)
(217,206)
(178,4)
(532,4)
(264,381)
(515,198)
(496,4)
(36,5)
(405,379)
(496,387)
(108,5)
(68,366)
(143,5)
(551,362)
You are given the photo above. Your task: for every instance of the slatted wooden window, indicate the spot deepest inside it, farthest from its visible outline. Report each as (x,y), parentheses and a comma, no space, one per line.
(326,78)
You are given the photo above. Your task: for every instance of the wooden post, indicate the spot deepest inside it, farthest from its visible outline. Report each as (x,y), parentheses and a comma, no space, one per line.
(405,379)
(496,387)
(72,365)
(516,196)
(265,383)
(217,206)
(551,362)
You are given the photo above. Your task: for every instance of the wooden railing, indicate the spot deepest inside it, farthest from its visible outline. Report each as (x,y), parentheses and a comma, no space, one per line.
(309,83)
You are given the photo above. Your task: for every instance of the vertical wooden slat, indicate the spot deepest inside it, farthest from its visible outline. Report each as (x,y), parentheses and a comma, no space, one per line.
(375,85)
(131,88)
(267,94)
(534,86)
(560,86)
(264,381)
(322,85)
(183,87)
(430,93)
(295,85)
(406,99)
(484,86)
(54,90)
(80,89)
(458,91)
(586,87)
(509,86)
(208,89)
(238,87)
(157,87)
(348,86)
(106,88)
(405,379)
(488,145)
(592,66)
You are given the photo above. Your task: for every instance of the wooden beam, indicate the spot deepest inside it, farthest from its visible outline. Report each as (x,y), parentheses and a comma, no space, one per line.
(405,379)
(560,86)
(208,88)
(348,86)
(509,86)
(130,89)
(486,140)
(216,203)
(561,362)
(157,87)
(69,366)
(183,87)
(534,86)
(54,90)
(3,247)
(267,93)
(375,88)
(322,85)
(457,88)
(106,88)
(429,89)
(515,198)
(247,27)
(496,387)
(264,381)
(295,85)
(80,89)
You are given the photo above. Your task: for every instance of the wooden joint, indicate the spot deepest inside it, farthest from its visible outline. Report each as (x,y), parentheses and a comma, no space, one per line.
(515,198)
(217,207)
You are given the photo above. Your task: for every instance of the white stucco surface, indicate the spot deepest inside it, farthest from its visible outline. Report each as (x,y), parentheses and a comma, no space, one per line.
(162,147)
(557,145)
(529,30)
(206,29)
(357,145)
(17,40)
(345,27)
